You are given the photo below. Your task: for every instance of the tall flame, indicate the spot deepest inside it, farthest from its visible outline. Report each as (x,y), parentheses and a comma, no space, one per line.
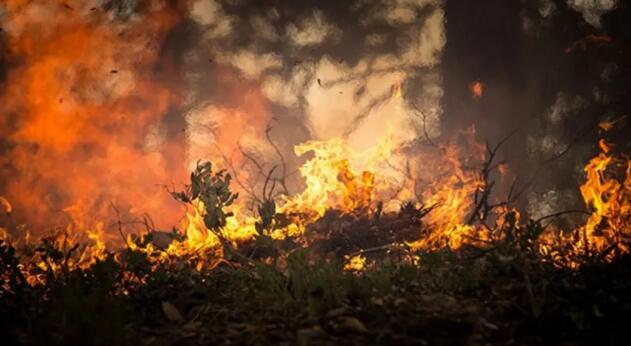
(83,108)
(610,198)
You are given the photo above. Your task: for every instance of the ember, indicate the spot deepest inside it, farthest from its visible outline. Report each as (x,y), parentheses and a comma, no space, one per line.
(477,89)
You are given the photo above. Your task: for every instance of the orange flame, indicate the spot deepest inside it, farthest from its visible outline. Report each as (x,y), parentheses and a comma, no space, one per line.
(84,113)
(477,89)
(79,132)
(610,199)
(607,191)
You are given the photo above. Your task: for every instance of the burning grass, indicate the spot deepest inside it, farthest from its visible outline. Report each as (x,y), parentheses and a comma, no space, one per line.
(335,263)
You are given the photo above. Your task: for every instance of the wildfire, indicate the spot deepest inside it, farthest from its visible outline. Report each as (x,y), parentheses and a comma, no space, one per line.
(450,189)
(338,178)
(69,144)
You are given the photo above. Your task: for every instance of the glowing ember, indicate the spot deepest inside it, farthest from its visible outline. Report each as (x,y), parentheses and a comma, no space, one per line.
(477,89)
(608,125)
(355,263)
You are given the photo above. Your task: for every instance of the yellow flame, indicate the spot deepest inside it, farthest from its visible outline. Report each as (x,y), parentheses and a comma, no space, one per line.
(396,91)
(337,177)
(356,263)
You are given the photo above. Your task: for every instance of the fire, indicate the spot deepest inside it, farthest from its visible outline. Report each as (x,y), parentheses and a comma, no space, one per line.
(335,178)
(73,125)
(608,125)
(338,177)
(607,192)
(477,89)
(352,182)
(609,196)
(84,109)
(396,90)
(238,228)
(330,180)
(355,263)
(450,190)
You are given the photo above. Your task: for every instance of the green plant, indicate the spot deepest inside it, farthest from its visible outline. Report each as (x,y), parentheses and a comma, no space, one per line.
(213,189)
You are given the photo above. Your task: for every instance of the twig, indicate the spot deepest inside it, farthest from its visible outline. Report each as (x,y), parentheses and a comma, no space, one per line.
(280,157)
(120,225)
(267,196)
(561,213)
(544,162)
(377,249)
(488,167)
(234,171)
(252,159)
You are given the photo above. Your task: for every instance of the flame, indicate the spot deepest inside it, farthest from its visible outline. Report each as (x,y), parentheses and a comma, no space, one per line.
(450,190)
(477,89)
(608,125)
(396,91)
(610,199)
(607,192)
(338,177)
(84,107)
(75,126)
(355,263)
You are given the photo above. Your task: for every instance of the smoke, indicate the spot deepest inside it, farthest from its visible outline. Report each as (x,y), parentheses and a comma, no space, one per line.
(106,102)
(592,10)
(308,72)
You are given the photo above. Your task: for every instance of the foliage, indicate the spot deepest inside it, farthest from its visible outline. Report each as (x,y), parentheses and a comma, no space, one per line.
(500,294)
(212,189)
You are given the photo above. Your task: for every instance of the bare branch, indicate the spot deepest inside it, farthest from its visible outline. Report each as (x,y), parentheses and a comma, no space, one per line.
(565,212)
(281,158)
(120,225)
